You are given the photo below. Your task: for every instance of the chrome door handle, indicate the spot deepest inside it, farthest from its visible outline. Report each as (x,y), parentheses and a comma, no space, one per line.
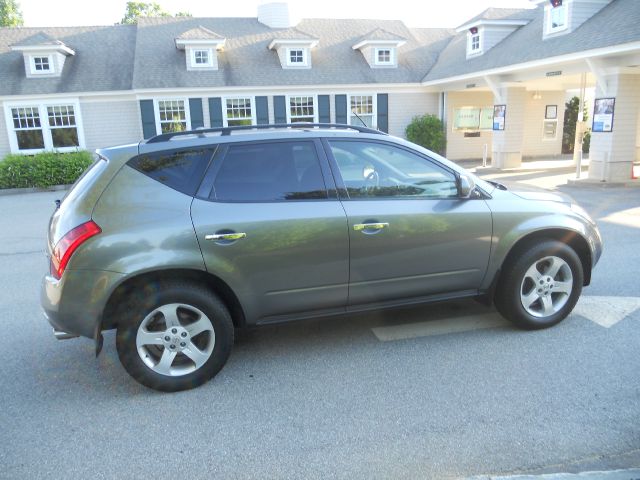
(226,236)
(370,226)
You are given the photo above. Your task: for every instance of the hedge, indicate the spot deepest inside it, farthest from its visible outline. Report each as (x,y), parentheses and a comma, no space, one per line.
(428,132)
(43,169)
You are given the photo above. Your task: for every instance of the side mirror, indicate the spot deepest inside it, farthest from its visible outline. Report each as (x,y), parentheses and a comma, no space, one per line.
(466,186)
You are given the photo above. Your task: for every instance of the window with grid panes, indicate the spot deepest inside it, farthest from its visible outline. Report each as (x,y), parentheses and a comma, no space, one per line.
(239,111)
(28,130)
(62,124)
(301,109)
(173,116)
(362,105)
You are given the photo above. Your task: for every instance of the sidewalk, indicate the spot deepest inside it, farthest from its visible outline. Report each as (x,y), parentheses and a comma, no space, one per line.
(549,174)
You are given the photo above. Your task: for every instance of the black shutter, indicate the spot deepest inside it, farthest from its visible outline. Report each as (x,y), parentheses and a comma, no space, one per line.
(383,112)
(195,111)
(324,109)
(341,109)
(215,112)
(262,110)
(148,119)
(280,109)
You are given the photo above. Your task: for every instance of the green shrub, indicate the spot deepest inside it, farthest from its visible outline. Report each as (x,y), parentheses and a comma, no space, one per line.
(427,131)
(43,169)
(586,141)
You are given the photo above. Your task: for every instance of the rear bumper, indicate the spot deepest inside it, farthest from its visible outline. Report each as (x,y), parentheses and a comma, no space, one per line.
(74,304)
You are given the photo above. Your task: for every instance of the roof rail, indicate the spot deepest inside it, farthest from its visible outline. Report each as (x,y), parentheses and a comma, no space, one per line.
(227,130)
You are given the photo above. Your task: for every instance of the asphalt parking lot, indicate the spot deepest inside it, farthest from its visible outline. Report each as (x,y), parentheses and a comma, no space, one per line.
(445,391)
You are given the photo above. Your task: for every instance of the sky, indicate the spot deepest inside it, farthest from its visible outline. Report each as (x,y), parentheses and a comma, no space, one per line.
(415,13)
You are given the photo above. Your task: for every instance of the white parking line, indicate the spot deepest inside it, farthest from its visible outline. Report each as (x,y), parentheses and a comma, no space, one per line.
(439,327)
(606,311)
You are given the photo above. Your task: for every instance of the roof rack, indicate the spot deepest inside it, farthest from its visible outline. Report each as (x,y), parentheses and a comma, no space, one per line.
(224,131)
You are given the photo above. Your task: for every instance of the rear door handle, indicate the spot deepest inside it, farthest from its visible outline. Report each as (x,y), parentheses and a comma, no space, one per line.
(226,236)
(358,227)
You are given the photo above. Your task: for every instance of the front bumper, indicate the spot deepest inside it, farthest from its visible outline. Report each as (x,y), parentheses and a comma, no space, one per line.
(75,303)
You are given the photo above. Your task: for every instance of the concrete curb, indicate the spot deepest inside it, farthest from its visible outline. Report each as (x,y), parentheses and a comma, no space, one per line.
(17,191)
(589,182)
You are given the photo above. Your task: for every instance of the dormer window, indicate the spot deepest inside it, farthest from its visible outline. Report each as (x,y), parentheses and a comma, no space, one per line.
(474,42)
(201,47)
(296,57)
(380,48)
(201,58)
(41,65)
(556,16)
(384,56)
(44,56)
(294,53)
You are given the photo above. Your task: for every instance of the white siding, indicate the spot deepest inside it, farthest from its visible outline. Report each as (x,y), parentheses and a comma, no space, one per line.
(404,106)
(492,36)
(533,144)
(459,147)
(582,10)
(205,112)
(111,123)
(4,137)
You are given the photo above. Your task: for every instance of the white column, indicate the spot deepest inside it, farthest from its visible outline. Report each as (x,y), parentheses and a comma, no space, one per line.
(507,143)
(611,154)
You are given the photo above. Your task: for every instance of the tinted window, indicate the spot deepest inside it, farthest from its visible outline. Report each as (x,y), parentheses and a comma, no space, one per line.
(260,172)
(181,170)
(371,169)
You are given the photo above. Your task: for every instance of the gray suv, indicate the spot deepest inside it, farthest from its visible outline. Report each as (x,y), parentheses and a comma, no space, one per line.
(180,239)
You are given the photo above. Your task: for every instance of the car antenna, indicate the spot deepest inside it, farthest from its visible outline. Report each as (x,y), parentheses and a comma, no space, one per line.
(361,121)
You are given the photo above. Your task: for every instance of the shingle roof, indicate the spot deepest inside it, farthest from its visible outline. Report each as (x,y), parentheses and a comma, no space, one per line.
(103,60)
(39,38)
(501,14)
(199,33)
(246,60)
(144,56)
(616,24)
(380,34)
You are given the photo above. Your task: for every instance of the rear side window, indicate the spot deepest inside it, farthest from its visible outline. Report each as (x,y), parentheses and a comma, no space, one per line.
(263,172)
(180,170)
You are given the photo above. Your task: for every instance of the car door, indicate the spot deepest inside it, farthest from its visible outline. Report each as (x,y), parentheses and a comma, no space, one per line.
(410,233)
(272,228)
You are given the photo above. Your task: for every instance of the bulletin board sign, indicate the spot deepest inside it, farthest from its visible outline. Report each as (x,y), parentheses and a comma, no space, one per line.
(603,114)
(499,113)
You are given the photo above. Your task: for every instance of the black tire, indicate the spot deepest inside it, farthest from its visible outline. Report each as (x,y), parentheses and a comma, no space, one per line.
(189,301)
(515,285)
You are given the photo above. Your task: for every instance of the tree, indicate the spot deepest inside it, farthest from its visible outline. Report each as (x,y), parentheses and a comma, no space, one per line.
(569,128)
(427,131)
(10,14)
(136,10)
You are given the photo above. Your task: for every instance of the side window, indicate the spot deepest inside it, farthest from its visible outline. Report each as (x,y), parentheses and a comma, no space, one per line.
(371,169)
(180,170)
(263,172)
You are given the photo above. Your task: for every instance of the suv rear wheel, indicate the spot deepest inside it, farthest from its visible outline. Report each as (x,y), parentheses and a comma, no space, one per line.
(541,286)
(175,336)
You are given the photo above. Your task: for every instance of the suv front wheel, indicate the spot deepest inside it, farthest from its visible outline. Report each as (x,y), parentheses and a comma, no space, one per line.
(540,287)
(175,336)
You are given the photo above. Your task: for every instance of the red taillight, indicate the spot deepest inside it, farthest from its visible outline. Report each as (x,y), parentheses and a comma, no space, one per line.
(69,243)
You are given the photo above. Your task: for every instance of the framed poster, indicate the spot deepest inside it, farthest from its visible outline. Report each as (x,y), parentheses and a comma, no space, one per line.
(466,118)
(603,114)
(486,118)
(551,112)
(499,112)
